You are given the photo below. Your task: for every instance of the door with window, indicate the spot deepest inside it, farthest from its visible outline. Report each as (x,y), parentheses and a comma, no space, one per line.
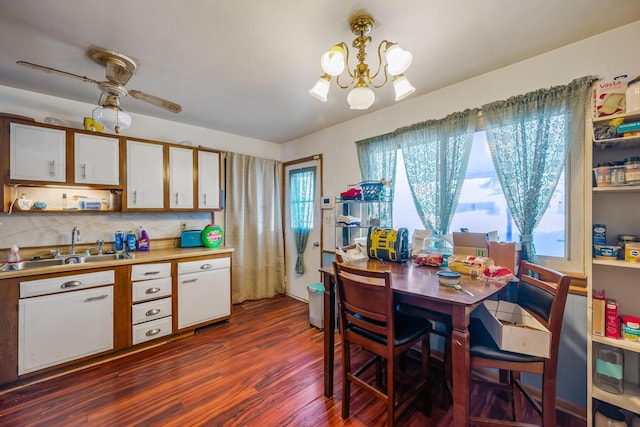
(303,222)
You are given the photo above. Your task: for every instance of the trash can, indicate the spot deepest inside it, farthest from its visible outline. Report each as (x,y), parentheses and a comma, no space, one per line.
(316,305)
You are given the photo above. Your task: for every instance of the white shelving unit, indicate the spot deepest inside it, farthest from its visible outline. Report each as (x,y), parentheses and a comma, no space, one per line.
(616,207)
(367,210)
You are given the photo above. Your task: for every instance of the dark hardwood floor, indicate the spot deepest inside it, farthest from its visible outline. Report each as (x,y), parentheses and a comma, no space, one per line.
(262,368)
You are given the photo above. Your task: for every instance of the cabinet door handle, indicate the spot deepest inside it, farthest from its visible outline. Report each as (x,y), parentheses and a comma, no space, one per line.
(190,281)
(177,198)
(52,168)
(152,291)
(71,284)
(151,273)
(152,332)
(96,298)
(152,312)
(135,197)
(84,171)
(205,199)
(206,266)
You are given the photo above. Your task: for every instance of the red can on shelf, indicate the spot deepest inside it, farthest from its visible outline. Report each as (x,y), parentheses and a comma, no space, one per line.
(612,324)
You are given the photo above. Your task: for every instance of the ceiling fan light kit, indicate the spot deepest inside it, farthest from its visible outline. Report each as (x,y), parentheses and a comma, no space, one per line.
(119,69)
(333,63)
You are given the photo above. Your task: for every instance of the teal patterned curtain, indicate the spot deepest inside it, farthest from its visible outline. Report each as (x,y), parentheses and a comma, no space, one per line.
(436,155)
(529,137)
(377,158)
(302,189)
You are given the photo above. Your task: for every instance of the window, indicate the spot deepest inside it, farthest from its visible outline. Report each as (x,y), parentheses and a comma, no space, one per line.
(483,207)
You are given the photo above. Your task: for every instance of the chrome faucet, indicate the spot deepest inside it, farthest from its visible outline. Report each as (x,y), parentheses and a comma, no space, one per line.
(75,232)
(100,246)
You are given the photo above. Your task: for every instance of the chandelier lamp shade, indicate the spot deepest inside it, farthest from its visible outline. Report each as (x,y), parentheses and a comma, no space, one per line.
(336,60)
(111,116)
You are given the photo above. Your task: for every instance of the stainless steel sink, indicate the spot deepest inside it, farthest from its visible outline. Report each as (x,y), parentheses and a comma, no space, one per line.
(104,257)
(25,265)
(62,260)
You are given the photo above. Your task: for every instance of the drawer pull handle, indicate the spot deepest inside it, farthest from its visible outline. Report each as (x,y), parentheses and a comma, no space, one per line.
(96,298)
(152,291)
(151,273)
(152,332)
(206,266)
(152,312)
(71,284)
(190,281)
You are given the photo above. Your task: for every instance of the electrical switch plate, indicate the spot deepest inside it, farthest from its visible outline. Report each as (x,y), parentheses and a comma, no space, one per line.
(327,202)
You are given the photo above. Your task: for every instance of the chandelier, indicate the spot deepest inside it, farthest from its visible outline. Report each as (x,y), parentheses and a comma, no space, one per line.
(362,96)
(110,115)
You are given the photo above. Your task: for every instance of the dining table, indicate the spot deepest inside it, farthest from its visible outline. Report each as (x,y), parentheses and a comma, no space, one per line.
(417,285)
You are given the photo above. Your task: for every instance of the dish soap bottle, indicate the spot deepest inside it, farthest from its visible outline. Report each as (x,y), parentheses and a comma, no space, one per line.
(143,240)
(130,241)
(14,255)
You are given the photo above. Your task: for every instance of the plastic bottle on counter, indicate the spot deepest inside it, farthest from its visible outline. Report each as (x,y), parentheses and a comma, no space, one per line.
(144,242)
(14,255)
(130,241)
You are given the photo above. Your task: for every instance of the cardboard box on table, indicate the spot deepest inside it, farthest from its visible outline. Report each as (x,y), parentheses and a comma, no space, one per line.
(476,244)
(507,254)
(514,329)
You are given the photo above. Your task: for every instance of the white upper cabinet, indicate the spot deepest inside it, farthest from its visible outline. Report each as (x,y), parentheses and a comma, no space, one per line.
(37,153)
(208,180)
(180,178)
(96,159)
(145,175)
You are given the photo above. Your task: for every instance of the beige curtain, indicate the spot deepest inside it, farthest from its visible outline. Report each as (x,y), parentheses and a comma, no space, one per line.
(253,217)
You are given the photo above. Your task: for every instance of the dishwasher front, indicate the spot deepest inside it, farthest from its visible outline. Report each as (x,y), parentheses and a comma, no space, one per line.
(204,291)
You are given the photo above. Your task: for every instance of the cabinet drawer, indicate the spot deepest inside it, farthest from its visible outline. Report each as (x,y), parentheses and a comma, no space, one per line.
(203,265)
(73,282)
(150,289)
(150,271)
(148,331)
(151,310)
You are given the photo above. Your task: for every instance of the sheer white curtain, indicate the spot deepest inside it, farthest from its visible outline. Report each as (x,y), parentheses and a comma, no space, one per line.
(253,217)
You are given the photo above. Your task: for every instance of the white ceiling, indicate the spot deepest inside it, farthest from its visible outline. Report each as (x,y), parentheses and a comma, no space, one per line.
(245,67)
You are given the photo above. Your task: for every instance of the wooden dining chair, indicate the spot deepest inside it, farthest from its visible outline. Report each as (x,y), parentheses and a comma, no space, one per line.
(371,321)
(543,293)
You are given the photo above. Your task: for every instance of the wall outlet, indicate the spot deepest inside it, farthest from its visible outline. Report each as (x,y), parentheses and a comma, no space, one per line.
(183,226)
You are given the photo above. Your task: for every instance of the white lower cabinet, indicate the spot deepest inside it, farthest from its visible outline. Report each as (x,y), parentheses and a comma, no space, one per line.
(60,327)
(204,291)
(151,309)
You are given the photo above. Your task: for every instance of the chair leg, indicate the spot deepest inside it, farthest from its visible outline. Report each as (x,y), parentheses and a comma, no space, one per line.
(391,391)
(548,402)
(346,384)
(426,369)
(516,396)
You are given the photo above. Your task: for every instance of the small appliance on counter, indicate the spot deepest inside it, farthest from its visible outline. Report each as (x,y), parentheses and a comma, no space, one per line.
(191,239)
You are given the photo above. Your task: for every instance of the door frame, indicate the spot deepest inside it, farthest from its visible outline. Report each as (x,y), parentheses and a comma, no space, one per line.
(320,180)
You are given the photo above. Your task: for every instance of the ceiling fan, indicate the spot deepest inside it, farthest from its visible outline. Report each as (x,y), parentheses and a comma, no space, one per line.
(119,69)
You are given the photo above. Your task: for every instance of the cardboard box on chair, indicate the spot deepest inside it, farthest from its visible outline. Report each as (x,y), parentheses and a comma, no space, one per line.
(514,329)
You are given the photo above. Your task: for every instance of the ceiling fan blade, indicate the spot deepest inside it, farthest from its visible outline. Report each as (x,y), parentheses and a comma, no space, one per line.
(151,99)
(54,71)
(116,73)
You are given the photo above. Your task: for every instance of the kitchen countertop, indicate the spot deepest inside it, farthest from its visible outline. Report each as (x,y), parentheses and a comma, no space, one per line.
(138,258)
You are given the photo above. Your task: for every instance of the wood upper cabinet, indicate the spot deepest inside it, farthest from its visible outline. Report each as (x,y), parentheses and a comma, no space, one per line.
(181,178)
(208,180)
(145,175)
(96,159)
(37,153)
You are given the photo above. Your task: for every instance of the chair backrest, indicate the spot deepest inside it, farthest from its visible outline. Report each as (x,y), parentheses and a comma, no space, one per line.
(365,300)
(543,292)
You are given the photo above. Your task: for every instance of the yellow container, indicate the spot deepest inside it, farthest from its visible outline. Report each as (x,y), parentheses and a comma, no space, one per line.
(632,252)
